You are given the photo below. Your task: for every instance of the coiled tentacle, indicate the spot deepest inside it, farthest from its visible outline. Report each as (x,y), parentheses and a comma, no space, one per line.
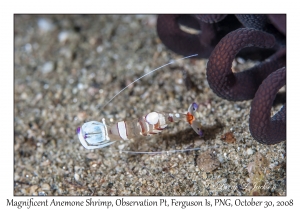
(263,128)
(243,85)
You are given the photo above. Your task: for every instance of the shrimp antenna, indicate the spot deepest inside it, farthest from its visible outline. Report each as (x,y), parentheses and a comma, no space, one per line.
(172,61)
(160,152)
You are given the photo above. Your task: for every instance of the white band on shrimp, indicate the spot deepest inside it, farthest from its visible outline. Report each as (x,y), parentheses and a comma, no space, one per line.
(122,130)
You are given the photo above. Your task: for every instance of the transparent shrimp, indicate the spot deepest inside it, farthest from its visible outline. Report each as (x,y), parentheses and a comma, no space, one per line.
(96,135)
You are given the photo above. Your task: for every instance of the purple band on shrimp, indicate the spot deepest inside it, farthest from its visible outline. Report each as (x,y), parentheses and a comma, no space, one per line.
(200,133)
(78,130)
(195,106)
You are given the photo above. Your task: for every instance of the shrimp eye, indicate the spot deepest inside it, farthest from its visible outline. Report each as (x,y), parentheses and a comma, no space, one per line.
(195,106)
(200,132)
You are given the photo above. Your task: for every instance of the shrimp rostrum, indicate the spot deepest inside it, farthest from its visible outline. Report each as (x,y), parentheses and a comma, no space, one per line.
(94,135)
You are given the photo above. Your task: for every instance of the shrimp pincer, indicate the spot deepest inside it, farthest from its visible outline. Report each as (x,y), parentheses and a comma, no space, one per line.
(96,135)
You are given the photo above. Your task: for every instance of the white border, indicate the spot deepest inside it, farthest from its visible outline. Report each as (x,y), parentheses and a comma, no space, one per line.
(8,9)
